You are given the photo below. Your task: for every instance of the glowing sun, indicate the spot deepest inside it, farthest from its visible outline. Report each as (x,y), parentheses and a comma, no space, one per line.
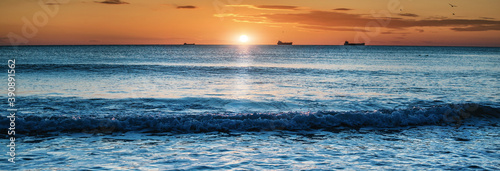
(243,38)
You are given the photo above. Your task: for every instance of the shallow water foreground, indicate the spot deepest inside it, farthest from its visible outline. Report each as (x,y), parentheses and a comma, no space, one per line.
(421,148)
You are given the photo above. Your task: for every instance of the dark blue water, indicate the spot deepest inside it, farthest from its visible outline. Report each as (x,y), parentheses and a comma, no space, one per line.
(180,91)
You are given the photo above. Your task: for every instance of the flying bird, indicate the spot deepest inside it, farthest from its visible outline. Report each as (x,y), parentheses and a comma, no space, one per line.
(452,5)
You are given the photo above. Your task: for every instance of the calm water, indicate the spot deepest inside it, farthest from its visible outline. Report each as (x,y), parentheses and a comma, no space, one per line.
(255,107)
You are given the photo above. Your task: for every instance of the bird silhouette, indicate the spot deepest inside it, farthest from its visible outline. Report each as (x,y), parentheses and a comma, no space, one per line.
(452,5)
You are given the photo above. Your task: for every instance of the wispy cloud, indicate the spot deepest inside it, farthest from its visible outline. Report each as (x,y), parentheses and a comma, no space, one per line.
(277,7)
(487,18)
(52,3)
(337,19)
(408,15)
(479,28)
(458,24)
(113,2)
(332,28)
(320,18)
(243,19)
(342,9)
(268,7)
(334,20)
(186,7)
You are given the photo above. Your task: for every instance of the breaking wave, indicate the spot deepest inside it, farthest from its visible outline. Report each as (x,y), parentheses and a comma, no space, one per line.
(451,114)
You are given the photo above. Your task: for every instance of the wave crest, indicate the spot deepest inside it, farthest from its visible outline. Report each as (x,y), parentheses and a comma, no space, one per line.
(293,121)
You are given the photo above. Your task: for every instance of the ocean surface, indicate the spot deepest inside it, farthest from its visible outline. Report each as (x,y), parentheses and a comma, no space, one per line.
(223,107)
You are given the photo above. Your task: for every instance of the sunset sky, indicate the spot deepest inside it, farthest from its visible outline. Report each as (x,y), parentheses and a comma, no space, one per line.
(305,22)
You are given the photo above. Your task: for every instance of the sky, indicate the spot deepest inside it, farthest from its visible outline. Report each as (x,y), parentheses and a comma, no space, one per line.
(303,22)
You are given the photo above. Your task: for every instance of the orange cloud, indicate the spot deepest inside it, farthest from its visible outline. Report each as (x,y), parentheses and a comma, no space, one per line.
(342,9)
(52,3)
(276,7)
(408,15)
(479,28)
(337,19)
(113,2)
(268,7)
(320,18)
(333,28)
(186,7)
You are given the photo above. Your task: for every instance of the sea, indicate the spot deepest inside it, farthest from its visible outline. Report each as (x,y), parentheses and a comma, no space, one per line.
(252,107)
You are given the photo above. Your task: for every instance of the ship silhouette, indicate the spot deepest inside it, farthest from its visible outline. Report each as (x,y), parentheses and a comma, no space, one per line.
(284,43)
(353,44)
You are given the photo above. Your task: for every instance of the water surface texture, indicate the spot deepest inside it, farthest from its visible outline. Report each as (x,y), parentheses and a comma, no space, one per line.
(255,107)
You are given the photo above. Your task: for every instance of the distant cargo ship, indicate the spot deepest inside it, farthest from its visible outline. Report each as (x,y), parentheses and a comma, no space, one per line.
(354,44)
(188,43)
(284,43)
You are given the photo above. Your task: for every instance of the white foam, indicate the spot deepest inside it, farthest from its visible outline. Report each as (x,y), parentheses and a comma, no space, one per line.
(438,115)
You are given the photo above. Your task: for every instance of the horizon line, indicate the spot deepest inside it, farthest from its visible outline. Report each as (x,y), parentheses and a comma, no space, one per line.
(235,45)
